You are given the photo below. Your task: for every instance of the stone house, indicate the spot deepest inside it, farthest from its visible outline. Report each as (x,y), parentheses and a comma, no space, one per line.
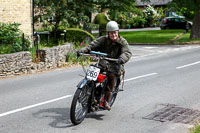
(18,11)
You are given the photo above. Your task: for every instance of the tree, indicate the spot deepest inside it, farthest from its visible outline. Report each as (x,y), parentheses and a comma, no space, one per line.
(70,13)
(191,5)
(75,13)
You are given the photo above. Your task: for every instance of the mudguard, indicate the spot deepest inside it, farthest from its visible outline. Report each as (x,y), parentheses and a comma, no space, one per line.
(82,83)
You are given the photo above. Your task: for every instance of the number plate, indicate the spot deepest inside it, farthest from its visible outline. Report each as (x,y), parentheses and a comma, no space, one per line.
(92,73)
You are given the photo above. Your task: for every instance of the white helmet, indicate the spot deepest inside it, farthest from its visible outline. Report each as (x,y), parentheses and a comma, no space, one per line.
(112,26)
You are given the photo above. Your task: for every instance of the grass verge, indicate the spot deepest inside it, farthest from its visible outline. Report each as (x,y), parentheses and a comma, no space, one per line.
(149,37)
(195,129)
(186,39)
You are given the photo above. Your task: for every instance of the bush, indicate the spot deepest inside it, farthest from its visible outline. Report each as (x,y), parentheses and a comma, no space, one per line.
(138,21)
(74,35)
(150,14)
(101,20)
(11,39)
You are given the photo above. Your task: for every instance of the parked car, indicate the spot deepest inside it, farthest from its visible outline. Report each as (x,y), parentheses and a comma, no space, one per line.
(178,22)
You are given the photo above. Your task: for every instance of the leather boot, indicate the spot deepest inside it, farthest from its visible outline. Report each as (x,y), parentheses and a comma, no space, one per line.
(107,100)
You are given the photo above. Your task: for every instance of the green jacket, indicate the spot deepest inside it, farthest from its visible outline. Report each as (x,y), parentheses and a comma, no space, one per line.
(113,49)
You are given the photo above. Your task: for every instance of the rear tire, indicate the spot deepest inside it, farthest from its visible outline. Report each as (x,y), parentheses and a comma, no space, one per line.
(114,93)
(79,106)
(112,99)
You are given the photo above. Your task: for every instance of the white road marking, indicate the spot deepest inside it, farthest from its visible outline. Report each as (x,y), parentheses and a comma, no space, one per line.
(32,106)
(142,76)
(64,97)
(195,63)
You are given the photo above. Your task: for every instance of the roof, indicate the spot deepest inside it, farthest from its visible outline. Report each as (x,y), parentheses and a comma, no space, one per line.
(153,2)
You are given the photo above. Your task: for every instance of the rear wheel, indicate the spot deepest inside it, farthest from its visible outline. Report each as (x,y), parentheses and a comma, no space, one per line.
(112,99)
(114,93)
(79,106)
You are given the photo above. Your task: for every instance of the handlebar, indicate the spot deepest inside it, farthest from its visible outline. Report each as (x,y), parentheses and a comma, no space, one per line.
(100,55)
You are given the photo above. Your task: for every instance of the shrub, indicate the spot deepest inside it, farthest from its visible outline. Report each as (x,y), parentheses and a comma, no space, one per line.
(138,21)
(11,38)
(101,20)
(150,14)
(74,35)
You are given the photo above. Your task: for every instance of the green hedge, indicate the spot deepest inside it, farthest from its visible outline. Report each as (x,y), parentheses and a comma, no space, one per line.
(74,35)
(11,38)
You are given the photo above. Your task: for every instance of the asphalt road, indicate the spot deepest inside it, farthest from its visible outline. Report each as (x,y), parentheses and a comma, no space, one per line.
(155,77)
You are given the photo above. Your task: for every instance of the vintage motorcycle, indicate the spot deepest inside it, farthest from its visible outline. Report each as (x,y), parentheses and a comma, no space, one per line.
(90,93)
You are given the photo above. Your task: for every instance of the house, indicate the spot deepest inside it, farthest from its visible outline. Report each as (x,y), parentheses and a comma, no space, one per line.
(156,3)
(18,11)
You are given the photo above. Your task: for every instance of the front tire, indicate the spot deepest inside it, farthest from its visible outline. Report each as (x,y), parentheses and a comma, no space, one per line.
(79,107)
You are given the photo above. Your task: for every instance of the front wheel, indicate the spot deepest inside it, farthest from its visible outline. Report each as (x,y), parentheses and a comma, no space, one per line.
(79,107)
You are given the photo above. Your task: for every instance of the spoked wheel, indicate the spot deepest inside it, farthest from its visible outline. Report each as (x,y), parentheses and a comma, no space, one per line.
(113,97)
(114,93)
(79,106)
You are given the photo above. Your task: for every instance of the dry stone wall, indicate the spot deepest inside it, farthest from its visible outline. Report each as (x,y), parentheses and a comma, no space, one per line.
(21,62)
(15,64)
(53,57)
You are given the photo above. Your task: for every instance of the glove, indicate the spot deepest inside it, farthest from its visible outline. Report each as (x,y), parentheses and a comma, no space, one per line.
(120,61)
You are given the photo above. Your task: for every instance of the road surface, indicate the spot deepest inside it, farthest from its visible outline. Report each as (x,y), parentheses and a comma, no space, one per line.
(156,76)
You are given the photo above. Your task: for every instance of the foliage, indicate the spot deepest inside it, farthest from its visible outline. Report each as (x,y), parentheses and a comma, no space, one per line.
(186,39)
(11,38)
(150,14)
(72,58)
(101,19)
(75,35)
(52,14)
(115,5)
(197,130)
(64,34)
(192,6)
(68,13)
(138,21)
(75,13)
(138,18)
(182,11)
(130,19)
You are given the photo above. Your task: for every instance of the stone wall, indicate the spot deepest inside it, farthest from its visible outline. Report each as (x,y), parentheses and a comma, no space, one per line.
(21,62)
(19,11)
(15,64)
(52,57)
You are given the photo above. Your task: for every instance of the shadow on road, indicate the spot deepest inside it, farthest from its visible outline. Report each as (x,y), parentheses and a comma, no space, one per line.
(95,116)
(60,117)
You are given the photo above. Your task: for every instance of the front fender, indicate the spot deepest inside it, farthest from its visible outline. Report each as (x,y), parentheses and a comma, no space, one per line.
(82,83)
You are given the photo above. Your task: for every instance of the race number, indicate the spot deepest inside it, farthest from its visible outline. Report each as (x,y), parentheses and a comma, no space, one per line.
(92,73)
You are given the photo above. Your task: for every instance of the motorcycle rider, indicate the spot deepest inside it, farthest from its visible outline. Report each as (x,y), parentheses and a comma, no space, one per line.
(116,47)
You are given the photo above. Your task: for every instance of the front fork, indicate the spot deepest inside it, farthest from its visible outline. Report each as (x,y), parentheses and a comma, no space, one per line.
(90,86)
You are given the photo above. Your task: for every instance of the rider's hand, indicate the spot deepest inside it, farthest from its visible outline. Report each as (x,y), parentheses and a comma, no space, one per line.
(120,61)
